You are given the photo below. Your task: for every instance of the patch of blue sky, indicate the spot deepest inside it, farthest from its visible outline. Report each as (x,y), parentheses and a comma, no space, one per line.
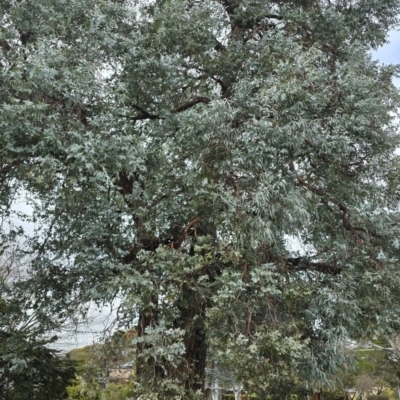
(390,53)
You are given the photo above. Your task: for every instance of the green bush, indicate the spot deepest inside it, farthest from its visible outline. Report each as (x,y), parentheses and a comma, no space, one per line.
(117,392)
(377,397)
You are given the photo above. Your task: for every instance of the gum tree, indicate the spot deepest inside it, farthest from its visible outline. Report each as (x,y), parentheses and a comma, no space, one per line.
(225,169)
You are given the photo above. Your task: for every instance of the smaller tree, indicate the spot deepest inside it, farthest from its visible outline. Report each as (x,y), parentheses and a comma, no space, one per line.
(29,368)
(32,371)
(371,375)
(93,366)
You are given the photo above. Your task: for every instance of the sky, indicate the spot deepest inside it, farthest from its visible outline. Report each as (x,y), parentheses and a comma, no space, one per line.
(88,332)
(390,53)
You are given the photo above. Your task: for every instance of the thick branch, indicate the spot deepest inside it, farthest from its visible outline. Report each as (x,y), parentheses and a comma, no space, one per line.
(273,16)
(25,36)
(4,45)
(302,264)
(177,242)
(190,104)
(143,114)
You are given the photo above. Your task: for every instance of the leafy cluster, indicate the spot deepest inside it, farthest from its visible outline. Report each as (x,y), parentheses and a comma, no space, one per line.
(29,368)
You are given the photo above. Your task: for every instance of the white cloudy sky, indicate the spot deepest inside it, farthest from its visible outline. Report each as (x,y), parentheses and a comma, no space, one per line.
(390,53)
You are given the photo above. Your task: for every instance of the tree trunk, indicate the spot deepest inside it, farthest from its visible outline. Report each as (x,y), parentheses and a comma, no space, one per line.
(193,370)
(237,388)
(146,318)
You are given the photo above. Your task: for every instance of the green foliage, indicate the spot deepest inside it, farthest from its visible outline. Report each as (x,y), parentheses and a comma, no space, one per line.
(82,357)
(373,372)
(30,370)
(84,389)
(223,168)
(93,364)
(80,391)
(118,392)
(29,367)
(377,397)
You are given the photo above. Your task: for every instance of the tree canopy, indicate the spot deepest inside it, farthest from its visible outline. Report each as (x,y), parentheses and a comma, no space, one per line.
(226,169)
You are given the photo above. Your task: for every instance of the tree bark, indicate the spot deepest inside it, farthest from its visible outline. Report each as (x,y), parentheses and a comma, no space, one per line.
(317,394)
(195,340)
(146,318)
